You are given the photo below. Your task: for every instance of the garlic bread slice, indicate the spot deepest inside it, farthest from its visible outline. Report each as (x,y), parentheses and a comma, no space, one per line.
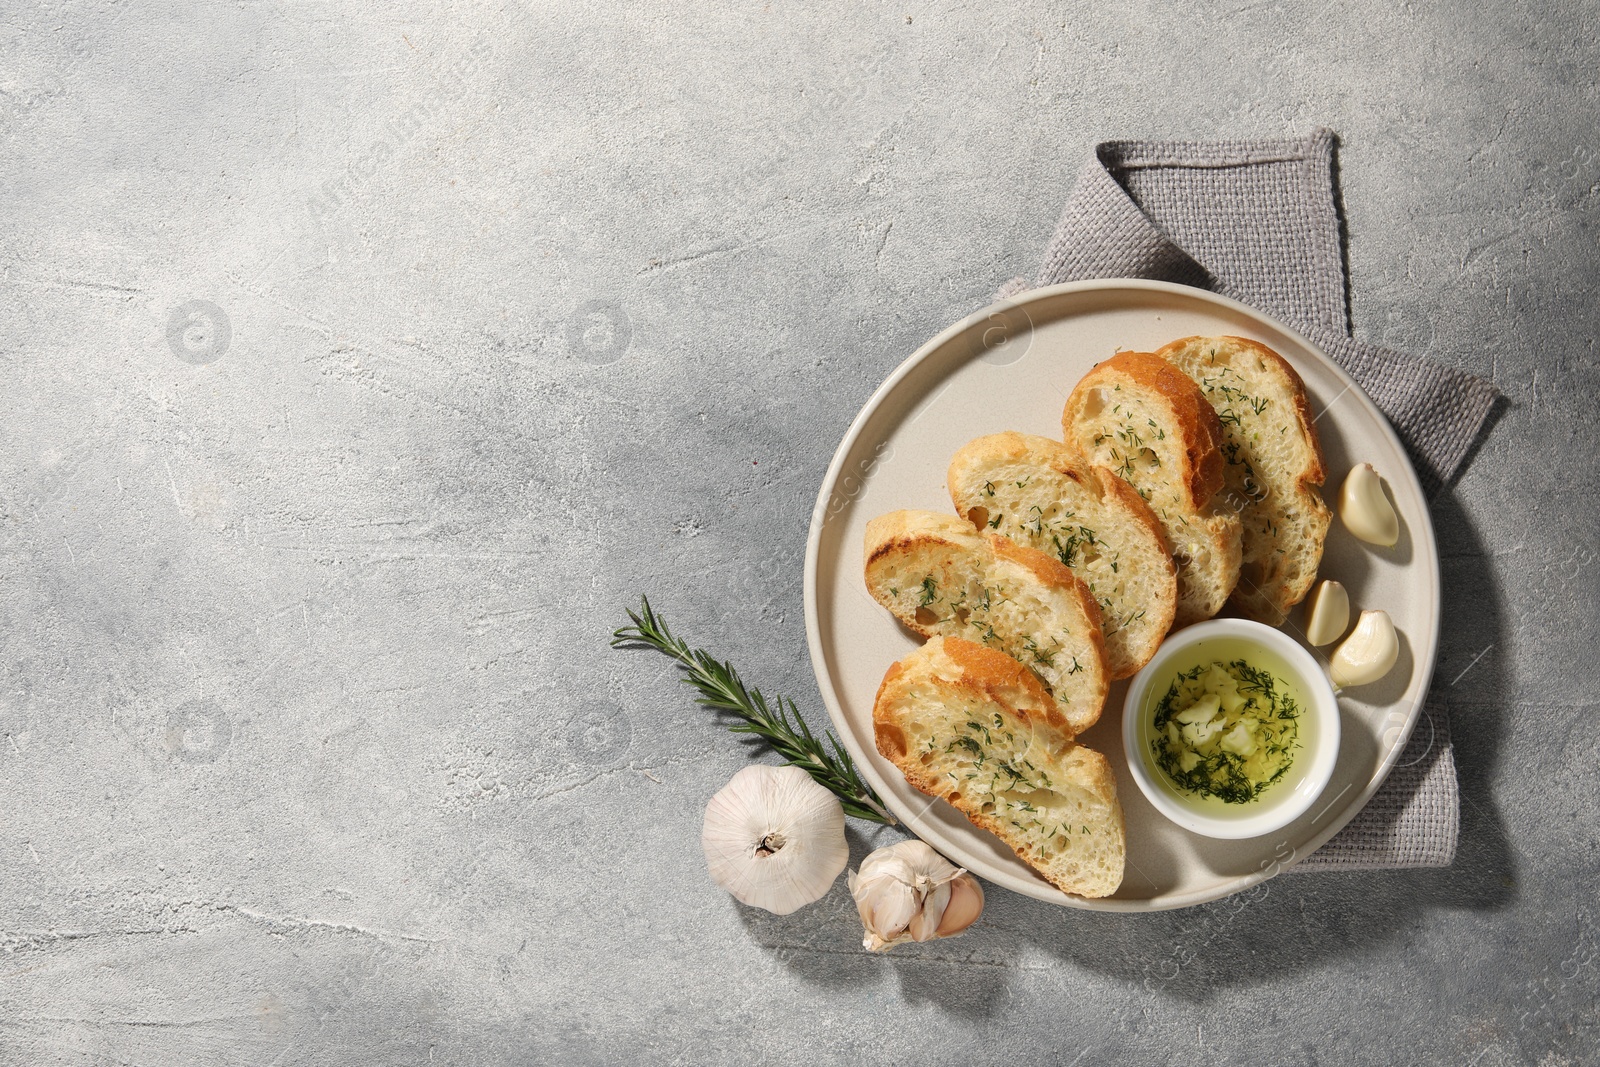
(941,578)
(1037,492)
(1145,421)
(972,726)
(1273,467)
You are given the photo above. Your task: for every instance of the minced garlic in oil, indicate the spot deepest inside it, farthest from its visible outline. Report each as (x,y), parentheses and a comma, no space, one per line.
(1226,730)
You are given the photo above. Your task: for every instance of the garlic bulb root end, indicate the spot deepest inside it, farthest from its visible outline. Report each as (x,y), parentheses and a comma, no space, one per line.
(774,838)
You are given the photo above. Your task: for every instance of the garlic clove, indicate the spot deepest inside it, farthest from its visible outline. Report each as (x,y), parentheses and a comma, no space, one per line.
(887,906)
(1327,613)
(774,838)
(924,925)
(1368,653)
(1365,509)
(908,892)
(966,904)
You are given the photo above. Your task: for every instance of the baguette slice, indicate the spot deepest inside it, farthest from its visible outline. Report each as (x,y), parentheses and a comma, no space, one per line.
(1273,467)
(941,578)
(1144,420)
(973,726)
(1036,492)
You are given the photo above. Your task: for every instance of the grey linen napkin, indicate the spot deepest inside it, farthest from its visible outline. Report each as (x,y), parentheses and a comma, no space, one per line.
(1259,221)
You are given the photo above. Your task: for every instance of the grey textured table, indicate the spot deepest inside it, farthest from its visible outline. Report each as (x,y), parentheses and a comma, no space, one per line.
(362,365)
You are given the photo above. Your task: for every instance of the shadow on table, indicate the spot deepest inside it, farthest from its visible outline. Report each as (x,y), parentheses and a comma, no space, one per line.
(1297,921)
(822,944)
(1289,924)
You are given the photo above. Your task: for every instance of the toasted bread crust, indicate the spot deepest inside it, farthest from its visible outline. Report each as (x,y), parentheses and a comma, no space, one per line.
(995,674)
(989,677)
(1202,476)
(1068,497)
(901,529)
(1050,571)
(1138,510)
(1165,609)
(1095,772)
(1275,464)
(1073,708)
(1010,445)
(1179,471)
(886,734)
(984,673)
(1316,472)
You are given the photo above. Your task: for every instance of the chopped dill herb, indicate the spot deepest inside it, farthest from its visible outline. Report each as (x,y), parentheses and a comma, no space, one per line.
(1197,755)
(970,744)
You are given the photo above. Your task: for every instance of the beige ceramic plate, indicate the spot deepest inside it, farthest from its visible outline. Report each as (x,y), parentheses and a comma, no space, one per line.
(1010,367)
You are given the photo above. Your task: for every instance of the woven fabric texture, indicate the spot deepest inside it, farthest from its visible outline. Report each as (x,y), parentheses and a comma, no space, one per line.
(1259,221)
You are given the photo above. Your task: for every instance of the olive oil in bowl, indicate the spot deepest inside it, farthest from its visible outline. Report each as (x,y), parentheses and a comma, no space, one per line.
(1231,729)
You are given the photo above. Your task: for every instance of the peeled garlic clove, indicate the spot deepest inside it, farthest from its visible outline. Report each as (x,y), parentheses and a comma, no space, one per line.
(774,838)
(1327,613)
(1365,509)
(1368,653)
(908,892)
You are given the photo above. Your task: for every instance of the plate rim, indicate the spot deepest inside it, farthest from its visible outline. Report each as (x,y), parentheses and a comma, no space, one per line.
(819,515)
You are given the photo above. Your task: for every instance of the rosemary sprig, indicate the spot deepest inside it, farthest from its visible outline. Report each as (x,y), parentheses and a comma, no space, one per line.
(781,728)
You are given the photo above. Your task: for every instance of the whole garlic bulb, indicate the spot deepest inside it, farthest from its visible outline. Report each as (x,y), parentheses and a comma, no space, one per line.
(908,892)
(774,838)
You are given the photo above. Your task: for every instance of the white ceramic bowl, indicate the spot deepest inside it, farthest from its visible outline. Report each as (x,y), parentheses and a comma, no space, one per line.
(1280,803)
